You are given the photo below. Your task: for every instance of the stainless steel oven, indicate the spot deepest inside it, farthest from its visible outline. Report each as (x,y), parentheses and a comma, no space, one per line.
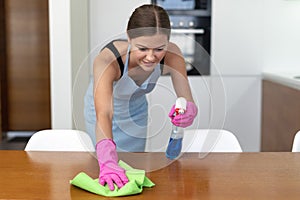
(191,30)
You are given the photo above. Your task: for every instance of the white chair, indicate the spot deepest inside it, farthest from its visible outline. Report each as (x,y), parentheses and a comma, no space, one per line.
(296,143)
(210,140)
(60,140)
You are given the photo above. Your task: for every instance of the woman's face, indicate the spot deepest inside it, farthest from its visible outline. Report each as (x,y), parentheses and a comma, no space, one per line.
(148,51)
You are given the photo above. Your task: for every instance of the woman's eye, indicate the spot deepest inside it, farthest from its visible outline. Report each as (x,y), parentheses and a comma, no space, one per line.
(142,49)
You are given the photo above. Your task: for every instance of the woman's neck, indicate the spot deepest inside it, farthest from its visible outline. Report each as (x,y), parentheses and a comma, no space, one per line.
(137,74)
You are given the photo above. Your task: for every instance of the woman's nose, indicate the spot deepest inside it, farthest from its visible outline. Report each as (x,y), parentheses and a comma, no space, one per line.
(150,55)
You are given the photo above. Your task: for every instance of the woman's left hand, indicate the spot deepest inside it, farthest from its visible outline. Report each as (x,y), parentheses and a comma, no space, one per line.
(186,119)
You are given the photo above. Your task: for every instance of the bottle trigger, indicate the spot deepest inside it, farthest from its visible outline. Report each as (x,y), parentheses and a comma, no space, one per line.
(180,105)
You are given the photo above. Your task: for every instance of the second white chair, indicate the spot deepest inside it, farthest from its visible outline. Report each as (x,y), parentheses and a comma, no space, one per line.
(210,140)
(60,140)
(200,140)
(296,143)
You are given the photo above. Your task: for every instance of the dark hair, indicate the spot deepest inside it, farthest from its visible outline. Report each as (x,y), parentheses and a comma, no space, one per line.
(148,20)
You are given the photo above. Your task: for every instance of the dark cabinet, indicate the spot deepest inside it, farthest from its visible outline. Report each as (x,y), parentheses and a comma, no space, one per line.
(280,116)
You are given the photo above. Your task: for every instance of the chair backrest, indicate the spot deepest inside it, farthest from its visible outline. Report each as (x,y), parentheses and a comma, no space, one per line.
(60,140)
(296,143)
(210,140)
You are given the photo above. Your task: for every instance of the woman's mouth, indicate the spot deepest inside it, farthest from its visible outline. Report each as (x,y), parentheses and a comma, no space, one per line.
(148,64)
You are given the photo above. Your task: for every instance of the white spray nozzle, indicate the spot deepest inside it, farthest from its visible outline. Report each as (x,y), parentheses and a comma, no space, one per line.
(180,105)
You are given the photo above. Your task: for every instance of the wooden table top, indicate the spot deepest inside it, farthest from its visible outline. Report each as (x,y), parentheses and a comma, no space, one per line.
(46,175)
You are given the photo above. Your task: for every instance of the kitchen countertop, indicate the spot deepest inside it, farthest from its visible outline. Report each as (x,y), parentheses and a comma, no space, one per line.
(286,78)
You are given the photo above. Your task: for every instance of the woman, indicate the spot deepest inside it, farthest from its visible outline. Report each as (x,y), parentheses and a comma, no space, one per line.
(116,107)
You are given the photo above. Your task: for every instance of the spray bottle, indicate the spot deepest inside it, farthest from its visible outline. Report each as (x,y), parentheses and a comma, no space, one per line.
(175,142)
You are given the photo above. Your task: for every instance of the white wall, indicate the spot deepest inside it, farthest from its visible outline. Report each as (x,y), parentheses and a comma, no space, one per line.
(80,62)
(68,49)
(237,35)
(257,35)
(60,63)
(281,42)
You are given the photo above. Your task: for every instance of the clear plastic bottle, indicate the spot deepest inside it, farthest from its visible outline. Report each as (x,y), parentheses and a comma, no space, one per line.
(175,142)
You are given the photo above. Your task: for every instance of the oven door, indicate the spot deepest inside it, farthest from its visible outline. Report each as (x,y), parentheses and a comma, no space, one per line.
(195,47)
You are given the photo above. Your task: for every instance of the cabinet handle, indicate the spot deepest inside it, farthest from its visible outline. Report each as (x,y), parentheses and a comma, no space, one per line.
(188,31)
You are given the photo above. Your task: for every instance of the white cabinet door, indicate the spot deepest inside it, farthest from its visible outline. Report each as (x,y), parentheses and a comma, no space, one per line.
(240,100)
(161,100)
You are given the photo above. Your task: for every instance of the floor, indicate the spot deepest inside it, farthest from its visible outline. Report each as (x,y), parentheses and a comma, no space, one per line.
(15,140)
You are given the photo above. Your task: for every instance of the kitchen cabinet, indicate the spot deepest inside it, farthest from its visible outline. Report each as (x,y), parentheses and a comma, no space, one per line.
(237,56)
(280,116)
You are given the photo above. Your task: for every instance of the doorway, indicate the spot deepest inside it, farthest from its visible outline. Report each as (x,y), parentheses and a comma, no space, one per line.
(25,66)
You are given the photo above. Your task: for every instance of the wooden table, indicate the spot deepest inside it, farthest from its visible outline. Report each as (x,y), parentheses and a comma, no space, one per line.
(46,175)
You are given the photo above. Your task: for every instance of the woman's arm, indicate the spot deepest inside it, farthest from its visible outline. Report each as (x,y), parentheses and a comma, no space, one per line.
(175,65)
(105,73)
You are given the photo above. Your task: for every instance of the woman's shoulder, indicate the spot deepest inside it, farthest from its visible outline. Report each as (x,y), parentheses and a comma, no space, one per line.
(173,58)
(116,45)
(173,48)
(120,44)
(173,51)
(107,58)
(111,50)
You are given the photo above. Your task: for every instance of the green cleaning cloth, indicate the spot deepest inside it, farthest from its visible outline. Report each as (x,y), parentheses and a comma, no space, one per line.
(137,180)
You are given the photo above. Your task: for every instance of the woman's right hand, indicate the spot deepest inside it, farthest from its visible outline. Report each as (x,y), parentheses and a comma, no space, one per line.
(110,171)
(186,119)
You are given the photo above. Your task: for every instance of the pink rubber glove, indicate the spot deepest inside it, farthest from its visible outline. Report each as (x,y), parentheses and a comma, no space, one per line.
(110,171)
(186,119)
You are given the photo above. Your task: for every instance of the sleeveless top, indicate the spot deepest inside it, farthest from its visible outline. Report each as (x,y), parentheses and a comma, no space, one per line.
(129,125)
